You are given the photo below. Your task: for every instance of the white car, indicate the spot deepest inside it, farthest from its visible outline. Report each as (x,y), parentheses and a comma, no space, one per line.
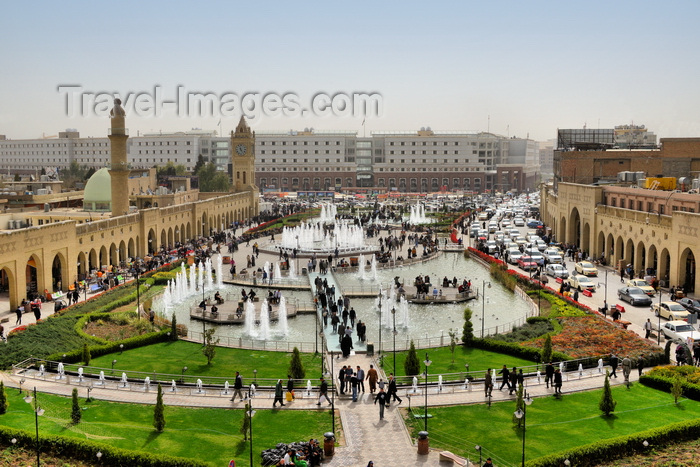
(553,256)
(513,255)
(556,270)
(581,283)
(679,331)
(519,222)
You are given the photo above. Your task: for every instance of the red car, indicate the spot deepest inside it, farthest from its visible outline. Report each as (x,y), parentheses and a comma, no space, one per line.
(527,263)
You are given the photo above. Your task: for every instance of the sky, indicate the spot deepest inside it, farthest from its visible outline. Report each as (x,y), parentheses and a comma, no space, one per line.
(516,68)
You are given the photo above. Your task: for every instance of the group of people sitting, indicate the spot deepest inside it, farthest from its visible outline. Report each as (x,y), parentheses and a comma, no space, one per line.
(309,456)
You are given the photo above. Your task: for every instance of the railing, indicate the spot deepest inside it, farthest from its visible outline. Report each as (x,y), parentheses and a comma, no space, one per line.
(255,281)
(251,344)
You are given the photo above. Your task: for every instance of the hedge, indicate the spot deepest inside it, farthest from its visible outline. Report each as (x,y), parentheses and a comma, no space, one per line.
(516,350)
(77,449)
(623,446)
(663,383)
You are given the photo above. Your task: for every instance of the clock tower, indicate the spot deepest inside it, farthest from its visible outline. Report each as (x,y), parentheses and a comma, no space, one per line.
(243,158)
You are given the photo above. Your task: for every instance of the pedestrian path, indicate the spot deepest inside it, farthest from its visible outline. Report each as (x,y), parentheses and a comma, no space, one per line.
(364,436)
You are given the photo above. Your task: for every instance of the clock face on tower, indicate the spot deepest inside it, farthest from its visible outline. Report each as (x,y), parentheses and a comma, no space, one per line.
(241,149)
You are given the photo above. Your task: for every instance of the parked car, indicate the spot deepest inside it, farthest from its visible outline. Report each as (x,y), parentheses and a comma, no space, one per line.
(553,256)
(634,296)
(642,284)
(556,270)
(536,256)
(534,223)
(670,311)
(519,222)
(526,263)
(581,283)
(679,331)
(690,304)
(586,268)
(513,255)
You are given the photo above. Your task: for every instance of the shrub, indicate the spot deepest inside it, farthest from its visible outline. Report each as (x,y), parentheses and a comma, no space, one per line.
(411,365)
(547,349)
(468,330)
(607,403)
(3,399)
(86,354)
(158,411)
(75,413)
(296,367)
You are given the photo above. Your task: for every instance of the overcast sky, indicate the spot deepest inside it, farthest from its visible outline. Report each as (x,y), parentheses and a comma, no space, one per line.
(514,68)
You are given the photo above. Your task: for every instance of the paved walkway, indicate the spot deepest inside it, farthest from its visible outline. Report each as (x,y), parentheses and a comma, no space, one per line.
(364,436)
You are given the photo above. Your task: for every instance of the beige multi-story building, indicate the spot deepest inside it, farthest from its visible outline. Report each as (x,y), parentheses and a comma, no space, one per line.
(654,231)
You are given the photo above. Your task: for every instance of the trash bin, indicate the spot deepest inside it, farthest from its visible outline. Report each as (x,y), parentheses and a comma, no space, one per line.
(304,271)
(370,349)
(423,443)
(328,444)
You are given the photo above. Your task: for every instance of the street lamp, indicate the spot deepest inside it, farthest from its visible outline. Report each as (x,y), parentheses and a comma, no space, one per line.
(427,364)
(182,375)
(323,349)
(484,283)
(37,411)
(478,448)
(522,413)
(658,331)
(379,351)
(113,362)
(138,296)
(332,378)
(250,420)
(393,313)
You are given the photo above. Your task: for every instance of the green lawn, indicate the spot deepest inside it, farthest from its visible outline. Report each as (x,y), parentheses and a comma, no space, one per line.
(210,435)
(478,360)
(553,425)
(171,357)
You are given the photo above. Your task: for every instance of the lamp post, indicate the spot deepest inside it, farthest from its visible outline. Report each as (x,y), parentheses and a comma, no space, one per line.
(379,350)
(484,283)
(138,294)
(322,335)
(393,313)
(37,411)
(478,448)
(250,421)
(522,413)
(113,362)
(427,364)
(658,332)
(332,378)
(182,375)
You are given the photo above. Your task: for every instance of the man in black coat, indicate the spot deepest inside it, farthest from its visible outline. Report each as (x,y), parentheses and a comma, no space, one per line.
(504,378)
(549,374)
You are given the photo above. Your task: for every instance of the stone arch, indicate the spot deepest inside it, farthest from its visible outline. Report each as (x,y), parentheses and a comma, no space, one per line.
(9,284)
(686,270)
(92,260)
(629,253)
(586,238)
(104,258)
(83,265)
(171,238)
(152,241)
(188,231)
(640,258)
(561,236)
(619,251)
(123,252)
(610,249)
(601,245)
(664,271)
(59,273)
(113,255)
(203,225)
(163,238)
(574,232)
(34,273)
(652,261)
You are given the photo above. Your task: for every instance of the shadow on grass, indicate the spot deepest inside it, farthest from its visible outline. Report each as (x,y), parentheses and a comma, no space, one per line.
(240,447)
(152,436)
(680,406)
(610,420)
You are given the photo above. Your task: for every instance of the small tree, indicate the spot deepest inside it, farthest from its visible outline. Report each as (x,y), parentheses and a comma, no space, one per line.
(210,343)
(453,342)
(519,405)
(158,411)
(245,425)
(468,330)
(676,388)
(607,403)
(86,354)
(3,399)
(547,349)
(75,414)
(173,328)
(296,367)
(411,365)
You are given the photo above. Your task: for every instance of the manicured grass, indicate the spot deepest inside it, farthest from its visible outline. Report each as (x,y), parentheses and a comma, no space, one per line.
(171,357)
(210,435)
(479,360)
(553,425)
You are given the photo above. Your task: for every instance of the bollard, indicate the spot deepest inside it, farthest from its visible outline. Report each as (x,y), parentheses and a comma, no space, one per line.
(423,443)
(370,349)
(328,444)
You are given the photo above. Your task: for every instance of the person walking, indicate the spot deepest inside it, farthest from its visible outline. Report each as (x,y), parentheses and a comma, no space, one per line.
(361,378)
(341,378)
(647,328)
(626,368)
(237,387)
(614,361)
(488,383)
(393,391)
(290,386)
(513,381)
(549,374)
(354,383)
(18,311)
(505,377)
(640,364)
(381,397)
(323,392)
(372,377)
(278,394)
(557,381)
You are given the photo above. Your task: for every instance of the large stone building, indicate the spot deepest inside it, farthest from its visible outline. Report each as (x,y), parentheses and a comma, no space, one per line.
(64,245)
(654,231)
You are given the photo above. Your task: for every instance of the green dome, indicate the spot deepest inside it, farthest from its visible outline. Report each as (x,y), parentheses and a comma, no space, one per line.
(98,192)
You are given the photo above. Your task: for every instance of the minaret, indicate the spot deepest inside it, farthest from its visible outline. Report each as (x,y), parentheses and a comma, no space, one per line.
(243,158)
(119,170)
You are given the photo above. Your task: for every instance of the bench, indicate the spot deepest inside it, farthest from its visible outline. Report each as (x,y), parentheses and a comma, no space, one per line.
(94,288)
(620,308)
(587,293)
(448,456)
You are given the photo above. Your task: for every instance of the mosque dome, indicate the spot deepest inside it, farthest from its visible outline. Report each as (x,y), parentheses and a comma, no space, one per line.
(98,192)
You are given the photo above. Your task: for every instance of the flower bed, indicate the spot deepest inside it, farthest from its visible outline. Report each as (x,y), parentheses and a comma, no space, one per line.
(589,336)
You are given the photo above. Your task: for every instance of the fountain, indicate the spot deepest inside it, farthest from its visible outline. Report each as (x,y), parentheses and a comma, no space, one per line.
(264,326)
(466,384)
(278,272)
(173,386)
(249,318)
(439,383)
(124,380)
(102,378)
(282,327)
(147,384)
(328,213)
(361,268)
(80,374)
(600,365)
(61,370)
(313,238)
(292,270)
(580,370)
(308,387)
(226,388)
(41,370)
(373,267)
(219,272)
(199,386)
(417,215)
(415,385)
(539,377)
